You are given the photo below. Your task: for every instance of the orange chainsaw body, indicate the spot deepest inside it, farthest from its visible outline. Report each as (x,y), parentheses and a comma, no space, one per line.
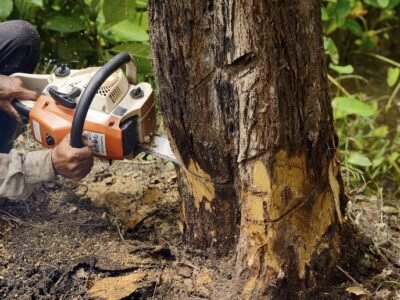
(51,122)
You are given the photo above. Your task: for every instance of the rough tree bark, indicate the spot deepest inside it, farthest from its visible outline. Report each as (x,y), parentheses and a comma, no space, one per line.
(244,95)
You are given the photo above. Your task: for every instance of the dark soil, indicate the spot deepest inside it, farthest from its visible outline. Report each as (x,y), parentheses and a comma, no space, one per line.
(117,228)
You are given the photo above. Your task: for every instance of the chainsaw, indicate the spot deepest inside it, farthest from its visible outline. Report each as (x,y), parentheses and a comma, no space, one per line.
(115,112)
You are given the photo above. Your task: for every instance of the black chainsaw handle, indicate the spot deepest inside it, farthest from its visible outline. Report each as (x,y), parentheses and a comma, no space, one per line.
(65,99)
(87,97)
(21,108)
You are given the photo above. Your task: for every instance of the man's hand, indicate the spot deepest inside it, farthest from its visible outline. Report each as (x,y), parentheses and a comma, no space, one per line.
(72,163)
(11,88)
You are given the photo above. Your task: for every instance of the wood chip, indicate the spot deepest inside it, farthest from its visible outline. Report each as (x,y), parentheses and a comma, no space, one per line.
(356,290)
(114,288)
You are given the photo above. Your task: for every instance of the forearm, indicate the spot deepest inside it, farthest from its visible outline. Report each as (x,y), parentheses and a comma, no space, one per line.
(20,172)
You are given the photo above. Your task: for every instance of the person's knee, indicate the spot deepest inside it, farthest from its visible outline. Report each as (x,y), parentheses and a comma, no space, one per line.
(25,34)
(21,43)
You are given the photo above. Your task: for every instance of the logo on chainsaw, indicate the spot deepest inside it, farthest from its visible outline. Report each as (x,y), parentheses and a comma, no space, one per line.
(99,142)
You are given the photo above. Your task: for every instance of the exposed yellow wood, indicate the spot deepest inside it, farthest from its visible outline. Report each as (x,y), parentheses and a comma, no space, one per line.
(180,226)
(291,185)
(249,287)
(256,208)
(282,211)
(334,168)
(307,225)
(261,180)
(200,185)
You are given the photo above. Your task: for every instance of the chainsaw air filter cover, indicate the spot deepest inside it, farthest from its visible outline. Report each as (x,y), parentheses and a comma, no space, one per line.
(109,94)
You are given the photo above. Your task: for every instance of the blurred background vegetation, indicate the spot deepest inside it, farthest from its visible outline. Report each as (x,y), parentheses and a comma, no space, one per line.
(361,39)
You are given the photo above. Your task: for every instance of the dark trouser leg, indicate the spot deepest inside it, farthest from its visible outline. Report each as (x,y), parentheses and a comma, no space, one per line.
(8,132)
(19,52)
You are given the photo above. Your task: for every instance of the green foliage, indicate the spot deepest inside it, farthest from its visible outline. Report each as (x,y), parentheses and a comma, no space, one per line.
(117,10)
(342,69)
(89,32)
(349,105)
(64,24)
(363,24)
(85,32)
(369,138)
(389,4)
(5,9)
(392,76)
(366,122)
(126,31)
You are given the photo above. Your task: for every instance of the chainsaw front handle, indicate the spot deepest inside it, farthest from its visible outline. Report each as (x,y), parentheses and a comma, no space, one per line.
(90,91)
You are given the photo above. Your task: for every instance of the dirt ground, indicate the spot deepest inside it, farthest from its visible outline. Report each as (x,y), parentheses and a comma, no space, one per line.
(116,235)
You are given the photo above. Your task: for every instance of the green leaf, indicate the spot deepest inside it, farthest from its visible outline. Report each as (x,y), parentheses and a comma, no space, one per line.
(394,156)
(373,3)
(126,31)
(95,5)
(377,161)
(141,4)
(392,76)
(6,8)
(359,159)
(344,106)
(387,4)
(116,11)
(354,27)
(342,69)
(74,49)
(136,49)
(393,4)
(64,24)
(331,50)
(383,3)
(141,19)
(368,41)
(342,9)
(27,8)
(141,53)
(324,14)
(381,131)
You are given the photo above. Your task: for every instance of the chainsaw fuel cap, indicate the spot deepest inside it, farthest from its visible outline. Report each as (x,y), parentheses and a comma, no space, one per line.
(136,93)
(62,70)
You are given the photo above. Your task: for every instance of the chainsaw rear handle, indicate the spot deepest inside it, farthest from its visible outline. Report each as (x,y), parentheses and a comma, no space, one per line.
(89,93)
(21,108)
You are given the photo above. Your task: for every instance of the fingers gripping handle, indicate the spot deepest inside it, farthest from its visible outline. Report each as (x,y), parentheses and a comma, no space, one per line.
(95,83)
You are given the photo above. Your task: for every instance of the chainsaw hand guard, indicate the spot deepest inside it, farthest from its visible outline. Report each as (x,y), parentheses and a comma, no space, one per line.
(66,100)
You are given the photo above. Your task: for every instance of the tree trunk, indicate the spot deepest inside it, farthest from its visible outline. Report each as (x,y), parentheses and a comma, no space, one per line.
(245,98)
